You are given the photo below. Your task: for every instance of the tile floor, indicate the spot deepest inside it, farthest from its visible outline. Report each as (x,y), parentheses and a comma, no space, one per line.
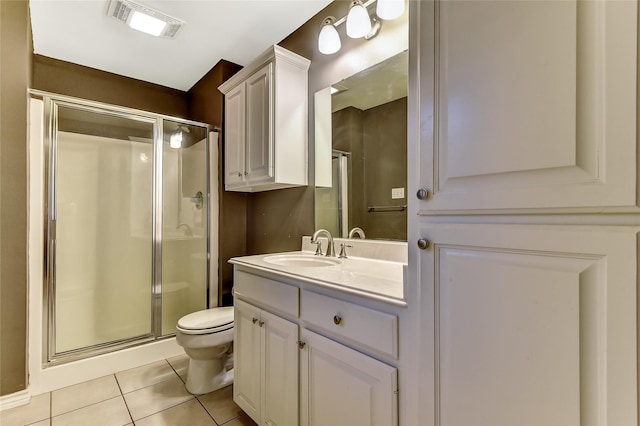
(151,395)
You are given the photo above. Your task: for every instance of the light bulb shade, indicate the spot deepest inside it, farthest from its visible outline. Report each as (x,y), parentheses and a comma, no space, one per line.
(328,40)
(175,140)
(358,22)
(389,9)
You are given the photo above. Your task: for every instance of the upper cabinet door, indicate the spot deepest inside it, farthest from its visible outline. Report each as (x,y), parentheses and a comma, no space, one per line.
(259,158)
(235,137)
(532,106)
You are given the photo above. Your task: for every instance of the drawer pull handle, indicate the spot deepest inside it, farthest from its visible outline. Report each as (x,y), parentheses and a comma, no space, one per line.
(261,323)
(301,344)
(254,320)
(337,320)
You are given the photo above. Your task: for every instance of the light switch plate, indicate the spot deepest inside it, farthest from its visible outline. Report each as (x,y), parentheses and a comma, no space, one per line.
(397,193)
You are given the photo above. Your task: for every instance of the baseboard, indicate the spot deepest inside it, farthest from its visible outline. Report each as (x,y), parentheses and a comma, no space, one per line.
(15,399)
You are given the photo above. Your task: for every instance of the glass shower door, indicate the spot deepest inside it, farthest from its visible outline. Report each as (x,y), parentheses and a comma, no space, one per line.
(185,216)
(101,206)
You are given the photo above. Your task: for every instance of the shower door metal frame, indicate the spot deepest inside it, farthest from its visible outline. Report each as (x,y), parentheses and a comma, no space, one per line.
(51,102)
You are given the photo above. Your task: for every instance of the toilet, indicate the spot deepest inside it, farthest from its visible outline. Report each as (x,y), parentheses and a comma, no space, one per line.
(207,338)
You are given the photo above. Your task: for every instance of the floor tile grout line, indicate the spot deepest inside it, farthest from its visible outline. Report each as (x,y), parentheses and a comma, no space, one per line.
(123,398)
(205,410)
(83,407)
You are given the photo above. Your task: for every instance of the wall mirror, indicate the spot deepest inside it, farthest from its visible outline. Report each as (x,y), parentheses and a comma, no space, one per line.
(361,152)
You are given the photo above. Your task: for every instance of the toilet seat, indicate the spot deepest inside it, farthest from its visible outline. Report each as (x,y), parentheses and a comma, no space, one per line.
(208,321)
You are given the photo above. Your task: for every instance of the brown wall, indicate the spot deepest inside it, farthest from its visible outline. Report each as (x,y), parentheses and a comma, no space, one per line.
(66,78)
(206,105)
(15,72)
(384,130)
(376,138)
(347,136)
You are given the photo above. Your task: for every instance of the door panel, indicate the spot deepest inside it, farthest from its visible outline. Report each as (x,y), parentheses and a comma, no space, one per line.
(280,356)
(234,139)
(259,129)
(246,389)
(532,324)
(340,386)
(529,119)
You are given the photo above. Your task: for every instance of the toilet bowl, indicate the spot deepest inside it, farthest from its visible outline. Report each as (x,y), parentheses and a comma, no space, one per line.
(207,338)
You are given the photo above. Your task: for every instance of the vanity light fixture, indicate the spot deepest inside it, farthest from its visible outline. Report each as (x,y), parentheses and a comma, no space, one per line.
(389,9)
(145,19)
(329,40)
(358,23)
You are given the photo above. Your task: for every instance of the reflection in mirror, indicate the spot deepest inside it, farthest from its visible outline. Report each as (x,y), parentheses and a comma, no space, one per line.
(368,140)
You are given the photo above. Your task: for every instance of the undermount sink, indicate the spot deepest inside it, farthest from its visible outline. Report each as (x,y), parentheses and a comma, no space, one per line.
(301,261)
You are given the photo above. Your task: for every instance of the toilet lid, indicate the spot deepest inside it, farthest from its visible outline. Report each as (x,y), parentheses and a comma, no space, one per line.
(207,319)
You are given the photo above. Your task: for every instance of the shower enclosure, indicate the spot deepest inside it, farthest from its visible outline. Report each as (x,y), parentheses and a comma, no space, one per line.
(127,226)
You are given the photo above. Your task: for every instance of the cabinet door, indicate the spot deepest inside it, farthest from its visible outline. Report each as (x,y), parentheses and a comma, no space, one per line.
(516,118)
(247,359)
(234,137)
(259,144)
(280,371)
(340,386)
(529,325)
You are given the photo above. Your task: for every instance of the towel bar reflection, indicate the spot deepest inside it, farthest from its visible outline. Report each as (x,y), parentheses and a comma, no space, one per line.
(371,209)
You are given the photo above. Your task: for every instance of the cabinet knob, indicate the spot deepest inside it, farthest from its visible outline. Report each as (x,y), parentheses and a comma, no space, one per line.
(423,244)
(254,320)
(422,194)
(246,173)
(261,323)
(337,319)
(301,344)
(239,174)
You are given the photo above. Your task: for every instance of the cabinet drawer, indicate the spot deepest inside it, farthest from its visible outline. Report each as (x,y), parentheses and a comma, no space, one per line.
(375,330)
(273,294)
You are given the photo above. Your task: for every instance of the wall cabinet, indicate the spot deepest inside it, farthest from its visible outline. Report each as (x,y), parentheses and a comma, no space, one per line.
(265,128)
(528,307)
(547,120)
(338,384)
(266,366)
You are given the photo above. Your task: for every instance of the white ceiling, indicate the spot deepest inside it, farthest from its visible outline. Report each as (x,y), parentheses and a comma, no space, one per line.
(80,31)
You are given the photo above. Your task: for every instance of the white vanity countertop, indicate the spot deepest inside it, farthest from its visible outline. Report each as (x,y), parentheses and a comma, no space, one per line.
(377,279)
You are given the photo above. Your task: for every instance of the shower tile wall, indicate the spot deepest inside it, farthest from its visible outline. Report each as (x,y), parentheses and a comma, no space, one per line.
(103,269)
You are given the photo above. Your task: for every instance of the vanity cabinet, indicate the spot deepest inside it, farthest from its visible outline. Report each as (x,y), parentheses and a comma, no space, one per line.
(265,134)
(335,359)
(266,366)
(341,386)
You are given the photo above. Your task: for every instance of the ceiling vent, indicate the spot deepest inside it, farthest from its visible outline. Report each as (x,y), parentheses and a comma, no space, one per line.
(126,11)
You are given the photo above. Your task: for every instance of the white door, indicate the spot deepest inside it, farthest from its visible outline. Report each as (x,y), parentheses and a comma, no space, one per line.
(234,137)
(342,387)
(531,105)
(280,371)
(531,325)
(525,107)
(247,359)
(259,156)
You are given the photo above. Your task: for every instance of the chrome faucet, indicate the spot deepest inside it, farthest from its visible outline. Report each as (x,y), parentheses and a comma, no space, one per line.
(331,251)
(358,231)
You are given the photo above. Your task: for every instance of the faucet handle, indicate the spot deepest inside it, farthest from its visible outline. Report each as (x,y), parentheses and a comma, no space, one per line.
(343,251)
(318,247)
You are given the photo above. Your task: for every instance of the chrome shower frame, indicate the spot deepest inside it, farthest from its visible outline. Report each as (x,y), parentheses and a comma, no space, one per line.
(51,103)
